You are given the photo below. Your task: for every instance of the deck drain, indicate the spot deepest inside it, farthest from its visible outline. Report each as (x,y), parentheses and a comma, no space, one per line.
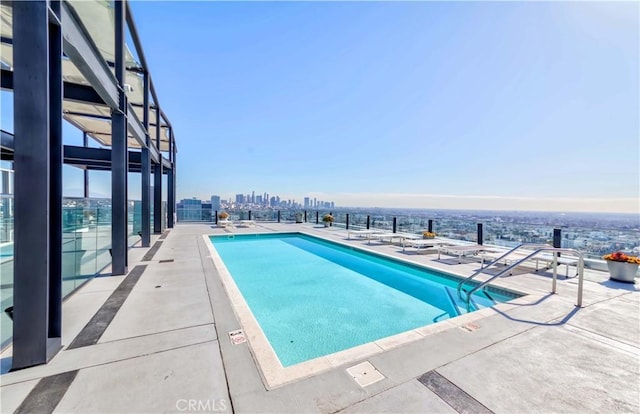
(166,261)
(365,374)
(470,327)
(237,337)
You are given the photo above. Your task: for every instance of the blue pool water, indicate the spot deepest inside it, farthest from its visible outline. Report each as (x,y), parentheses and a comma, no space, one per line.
(313,297)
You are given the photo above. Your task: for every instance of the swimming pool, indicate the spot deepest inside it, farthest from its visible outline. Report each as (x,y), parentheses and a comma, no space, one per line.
(312,297)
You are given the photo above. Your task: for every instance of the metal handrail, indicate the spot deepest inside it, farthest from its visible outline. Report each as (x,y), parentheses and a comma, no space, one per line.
(555,251)
(482,267)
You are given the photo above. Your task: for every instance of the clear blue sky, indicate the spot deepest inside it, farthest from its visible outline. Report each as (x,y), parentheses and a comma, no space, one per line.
(507,105)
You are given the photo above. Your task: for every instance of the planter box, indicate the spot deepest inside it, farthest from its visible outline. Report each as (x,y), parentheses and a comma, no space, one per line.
(622,271)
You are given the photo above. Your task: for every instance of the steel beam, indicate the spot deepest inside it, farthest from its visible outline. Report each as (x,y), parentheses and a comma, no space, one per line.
(158,224)
(85,55)
(135,126)
(99,158)
(85,142)
(36,336)
(157,188)
(119,162)
(171,199)
(146,168)
(55,170)
(166,164)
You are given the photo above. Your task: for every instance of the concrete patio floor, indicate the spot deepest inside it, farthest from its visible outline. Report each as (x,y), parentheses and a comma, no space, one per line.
(167,348)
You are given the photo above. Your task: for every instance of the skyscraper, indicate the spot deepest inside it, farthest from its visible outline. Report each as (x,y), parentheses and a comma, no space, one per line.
(215,202)
(306,202)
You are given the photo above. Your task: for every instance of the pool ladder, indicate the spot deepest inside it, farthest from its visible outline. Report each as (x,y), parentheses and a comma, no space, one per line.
(538,248)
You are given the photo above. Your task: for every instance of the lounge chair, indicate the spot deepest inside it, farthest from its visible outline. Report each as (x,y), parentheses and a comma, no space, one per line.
(422,244)
(225,223)
(463,250)
(361,233)
(546,258)
(245,223)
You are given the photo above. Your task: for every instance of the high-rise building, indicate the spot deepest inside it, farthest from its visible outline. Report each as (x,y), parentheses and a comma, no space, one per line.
(253,197)
(306,202)
(189,209)
(239,198)
(215,202)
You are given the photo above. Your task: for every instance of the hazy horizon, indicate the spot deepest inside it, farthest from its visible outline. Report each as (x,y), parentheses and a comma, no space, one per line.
(530,106)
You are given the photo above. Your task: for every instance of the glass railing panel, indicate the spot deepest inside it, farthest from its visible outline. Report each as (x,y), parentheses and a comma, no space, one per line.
(595,243)
(134,222)
(6,268)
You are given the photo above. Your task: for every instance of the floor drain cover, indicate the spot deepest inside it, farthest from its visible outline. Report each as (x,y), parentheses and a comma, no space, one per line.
(237,337)
(166,261)
(365,374)
(470,327)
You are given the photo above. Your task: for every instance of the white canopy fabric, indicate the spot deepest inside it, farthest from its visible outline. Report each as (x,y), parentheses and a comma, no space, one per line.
(98,19)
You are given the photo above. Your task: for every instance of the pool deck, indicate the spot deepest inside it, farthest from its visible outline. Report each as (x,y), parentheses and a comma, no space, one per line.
(167,348)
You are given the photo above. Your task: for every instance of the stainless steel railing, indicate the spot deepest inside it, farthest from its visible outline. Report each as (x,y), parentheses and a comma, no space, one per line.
(538,249)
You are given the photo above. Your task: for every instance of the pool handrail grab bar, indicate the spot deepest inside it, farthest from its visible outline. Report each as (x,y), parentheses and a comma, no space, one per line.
(491,263)
(555,251)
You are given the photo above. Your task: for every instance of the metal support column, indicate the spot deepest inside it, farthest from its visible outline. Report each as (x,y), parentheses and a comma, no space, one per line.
(430,226)
(171,199)
(119,154)
(368,222)
(395,222)
(37,54)
(557,239)
(55,171)
(145,171)
(347,222)
(480,234)
(157,183)
(85,142)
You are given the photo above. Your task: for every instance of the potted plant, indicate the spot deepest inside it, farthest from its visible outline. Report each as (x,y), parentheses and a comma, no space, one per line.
(327,220)
(428,235)
(223,215)
(622,267)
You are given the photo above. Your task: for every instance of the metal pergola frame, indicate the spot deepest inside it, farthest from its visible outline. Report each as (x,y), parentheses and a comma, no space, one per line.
(45,32)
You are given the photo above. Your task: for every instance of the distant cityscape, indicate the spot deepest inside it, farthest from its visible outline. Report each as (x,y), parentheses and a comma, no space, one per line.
(194,209)
(594,234)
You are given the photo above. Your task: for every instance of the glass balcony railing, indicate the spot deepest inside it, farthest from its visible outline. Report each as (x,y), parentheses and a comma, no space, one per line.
(86,244)
(593,242)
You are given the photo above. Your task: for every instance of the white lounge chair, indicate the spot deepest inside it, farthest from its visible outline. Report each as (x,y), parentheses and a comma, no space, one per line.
(463,250)
(422,244)
(245,223)
(225,223)
(361,233)
(545,258)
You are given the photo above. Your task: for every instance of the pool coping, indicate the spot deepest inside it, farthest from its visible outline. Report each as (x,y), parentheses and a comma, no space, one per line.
(274,374)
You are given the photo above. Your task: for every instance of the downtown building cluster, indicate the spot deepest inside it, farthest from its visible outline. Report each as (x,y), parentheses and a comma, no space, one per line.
(194,209)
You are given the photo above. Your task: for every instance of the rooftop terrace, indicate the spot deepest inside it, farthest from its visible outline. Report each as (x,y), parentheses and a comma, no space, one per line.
(164,346)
